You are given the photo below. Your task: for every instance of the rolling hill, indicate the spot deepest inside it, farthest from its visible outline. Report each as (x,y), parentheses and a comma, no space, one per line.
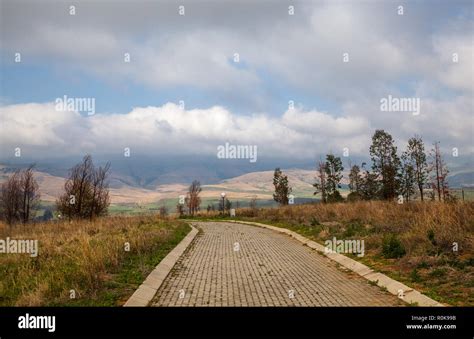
(126,189)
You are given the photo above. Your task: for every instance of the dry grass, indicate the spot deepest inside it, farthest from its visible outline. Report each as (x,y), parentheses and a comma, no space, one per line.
(412,222)
(87,257)
(426,232)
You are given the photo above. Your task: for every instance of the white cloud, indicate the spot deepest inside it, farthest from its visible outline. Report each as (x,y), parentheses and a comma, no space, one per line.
(42,130)
(314,122)
(305,50)
(38,125)
(456,75)
(407,55)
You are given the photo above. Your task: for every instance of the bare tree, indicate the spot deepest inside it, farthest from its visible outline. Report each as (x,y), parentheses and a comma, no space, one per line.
(30,196)
(320,186)
(163,211)
(86,191)
(180,209)
(100,192)
(253,203)
(193,201)
(19,196)
(439,172)
(11,198)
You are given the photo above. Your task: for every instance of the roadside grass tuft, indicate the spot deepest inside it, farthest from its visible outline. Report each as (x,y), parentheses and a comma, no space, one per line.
(88,257)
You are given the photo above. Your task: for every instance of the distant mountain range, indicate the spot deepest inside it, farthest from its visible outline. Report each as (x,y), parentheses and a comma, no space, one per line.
(256,184)
(123,189)
(149,180)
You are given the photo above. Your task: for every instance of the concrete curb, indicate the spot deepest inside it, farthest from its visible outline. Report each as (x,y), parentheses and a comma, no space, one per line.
(147,290)
(410,295)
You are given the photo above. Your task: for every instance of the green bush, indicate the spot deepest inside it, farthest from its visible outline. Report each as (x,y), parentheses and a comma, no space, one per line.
(354,228)
(314,221)
(392,247)
(438,272)
(423,264)
(415,276)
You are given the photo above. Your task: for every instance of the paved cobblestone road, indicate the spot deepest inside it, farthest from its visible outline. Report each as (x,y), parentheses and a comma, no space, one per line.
(240,265)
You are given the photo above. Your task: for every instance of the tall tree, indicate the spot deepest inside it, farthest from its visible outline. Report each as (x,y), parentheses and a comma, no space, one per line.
(100,193)
(416,157)
(369,186)
(439,172)
(30,194)
(193,201)
(19,196)
(385,163)
(282,188)
(354,179)
(355,183)
(333,168)
(180,209)
(11,199)
(321,184)
(407,180)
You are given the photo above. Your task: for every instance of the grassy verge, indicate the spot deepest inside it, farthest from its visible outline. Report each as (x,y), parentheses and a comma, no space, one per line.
(90,261)
(412,243)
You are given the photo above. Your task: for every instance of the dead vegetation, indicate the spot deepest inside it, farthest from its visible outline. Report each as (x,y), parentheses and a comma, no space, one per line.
(85,262)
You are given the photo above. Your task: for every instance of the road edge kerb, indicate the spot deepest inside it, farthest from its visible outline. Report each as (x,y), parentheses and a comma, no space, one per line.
(411,296)
(147,290)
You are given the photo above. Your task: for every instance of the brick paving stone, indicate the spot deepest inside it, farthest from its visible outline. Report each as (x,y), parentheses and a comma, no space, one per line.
(267,268)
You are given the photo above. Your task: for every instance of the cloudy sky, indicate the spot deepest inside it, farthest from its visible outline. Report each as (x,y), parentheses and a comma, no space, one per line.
(192,57)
